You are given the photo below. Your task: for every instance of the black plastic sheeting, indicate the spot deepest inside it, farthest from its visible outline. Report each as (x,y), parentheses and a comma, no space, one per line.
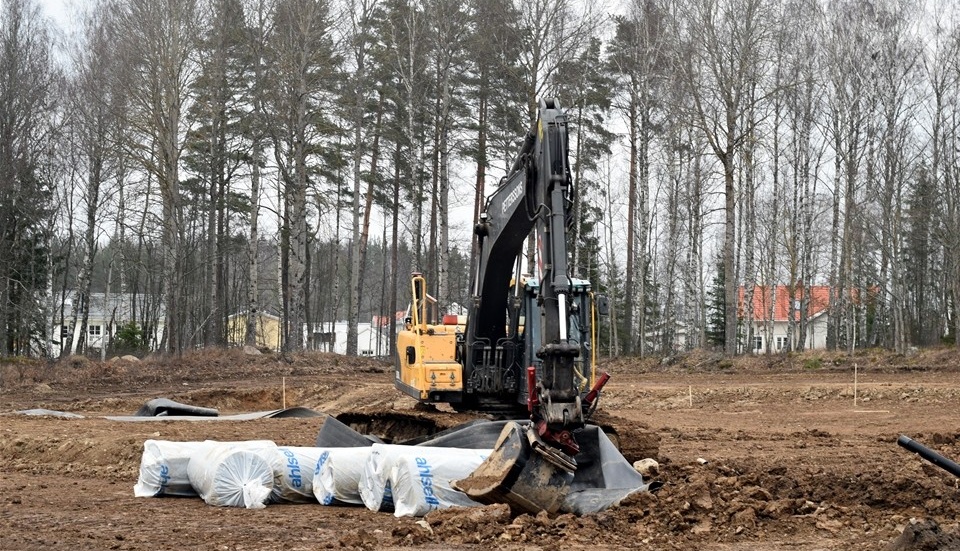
(163,407)
(297,412)
(477,434)
(602,479)
(335,434)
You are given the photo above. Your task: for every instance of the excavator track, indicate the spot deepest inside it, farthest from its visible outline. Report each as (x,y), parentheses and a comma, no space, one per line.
(634,440)
(395,427)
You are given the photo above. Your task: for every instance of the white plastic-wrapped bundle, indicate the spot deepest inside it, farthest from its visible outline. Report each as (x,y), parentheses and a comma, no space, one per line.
(422,482)
(163,466)
(336,478)
(380,474)
(231,476)
(294,480)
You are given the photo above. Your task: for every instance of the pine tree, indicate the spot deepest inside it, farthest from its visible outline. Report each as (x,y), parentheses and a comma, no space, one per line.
(214,153)
(26,84)
(716,311)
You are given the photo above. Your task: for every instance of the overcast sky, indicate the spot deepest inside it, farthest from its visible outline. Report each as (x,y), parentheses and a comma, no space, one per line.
(60,11)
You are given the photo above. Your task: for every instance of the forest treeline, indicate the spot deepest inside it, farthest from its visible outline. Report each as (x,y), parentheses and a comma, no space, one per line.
(302,157)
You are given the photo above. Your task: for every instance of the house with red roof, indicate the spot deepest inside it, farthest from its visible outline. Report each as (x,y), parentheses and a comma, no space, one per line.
(771,317)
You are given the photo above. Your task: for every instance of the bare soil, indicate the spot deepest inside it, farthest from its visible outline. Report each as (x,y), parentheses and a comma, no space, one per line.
(754,453)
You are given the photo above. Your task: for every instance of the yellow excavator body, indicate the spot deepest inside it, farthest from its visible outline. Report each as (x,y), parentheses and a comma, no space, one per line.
(428,368)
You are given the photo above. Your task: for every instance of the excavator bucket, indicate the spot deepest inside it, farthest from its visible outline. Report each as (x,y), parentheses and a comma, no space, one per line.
(522,472)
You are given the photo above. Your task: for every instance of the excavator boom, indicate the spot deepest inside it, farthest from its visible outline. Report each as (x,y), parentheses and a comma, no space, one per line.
(534,198)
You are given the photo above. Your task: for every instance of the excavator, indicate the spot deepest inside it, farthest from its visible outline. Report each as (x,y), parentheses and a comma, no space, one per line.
(527,346)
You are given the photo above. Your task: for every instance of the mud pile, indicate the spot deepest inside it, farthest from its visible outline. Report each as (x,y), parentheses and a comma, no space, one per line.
(727,502)
(925,535)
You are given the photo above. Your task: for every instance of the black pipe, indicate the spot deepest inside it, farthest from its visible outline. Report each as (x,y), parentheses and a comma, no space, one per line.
(930,455)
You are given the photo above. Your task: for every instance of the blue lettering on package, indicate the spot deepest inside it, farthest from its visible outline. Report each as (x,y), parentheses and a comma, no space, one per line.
(327,499)
(321,462)
(293,468)
(164,477)
(426,481)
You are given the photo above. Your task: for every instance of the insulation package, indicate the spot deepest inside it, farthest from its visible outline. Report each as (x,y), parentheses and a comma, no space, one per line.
(232,476)
(374,483)
(293,482)
(422,482)
(436,467)
(163,468)
(336,478)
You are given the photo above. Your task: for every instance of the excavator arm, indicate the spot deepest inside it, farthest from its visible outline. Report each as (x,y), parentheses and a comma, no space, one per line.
(535,197)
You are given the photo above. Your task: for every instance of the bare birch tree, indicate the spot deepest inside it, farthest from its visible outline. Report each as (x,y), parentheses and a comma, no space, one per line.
(728,42)
(158,39)
(894,71)
(359,43)
(94,109)
(258,29)
(943,76)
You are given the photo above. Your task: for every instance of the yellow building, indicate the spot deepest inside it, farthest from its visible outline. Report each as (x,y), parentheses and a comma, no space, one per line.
(268,330)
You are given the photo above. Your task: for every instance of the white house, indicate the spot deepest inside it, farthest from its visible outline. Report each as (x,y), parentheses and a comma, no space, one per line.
(332,337)
(107,314)
(777,301)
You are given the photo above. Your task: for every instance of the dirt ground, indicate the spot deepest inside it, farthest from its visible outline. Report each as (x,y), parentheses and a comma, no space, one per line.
(754,454)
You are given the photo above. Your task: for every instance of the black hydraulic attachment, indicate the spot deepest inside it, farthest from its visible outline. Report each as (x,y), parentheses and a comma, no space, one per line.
(946,464)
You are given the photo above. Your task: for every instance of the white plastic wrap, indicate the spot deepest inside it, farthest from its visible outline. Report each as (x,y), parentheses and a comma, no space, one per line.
(381,473)
(163,468)
(231,476)
(421,482)
(374,483)
(293,483)
(337,475)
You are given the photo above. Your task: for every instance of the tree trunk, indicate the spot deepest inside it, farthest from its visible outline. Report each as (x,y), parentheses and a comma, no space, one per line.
(253,249)
(729,252)
(630,293)
(353,290)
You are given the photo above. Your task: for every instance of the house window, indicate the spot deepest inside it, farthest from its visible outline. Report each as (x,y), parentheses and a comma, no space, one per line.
(757,344)
(94,330)
(782,343)
(64,332)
